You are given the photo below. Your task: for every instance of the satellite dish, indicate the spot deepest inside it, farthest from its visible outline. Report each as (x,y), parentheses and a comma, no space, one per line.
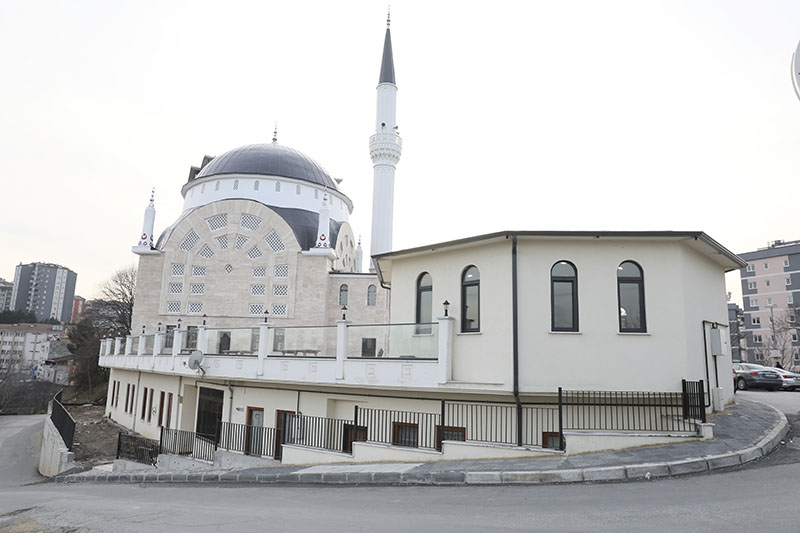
(796,70)
(195,360)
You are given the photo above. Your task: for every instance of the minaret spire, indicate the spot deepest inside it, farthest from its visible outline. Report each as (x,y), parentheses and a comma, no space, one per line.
(275,134)
(385,147)
(146,243)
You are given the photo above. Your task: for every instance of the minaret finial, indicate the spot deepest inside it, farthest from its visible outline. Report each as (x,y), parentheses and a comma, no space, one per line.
(152,195)
(275,134)
(389,16)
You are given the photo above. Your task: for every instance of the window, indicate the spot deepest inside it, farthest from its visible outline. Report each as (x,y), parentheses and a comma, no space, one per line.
(217,221)
(250,222)
(281,271)
(195,308)
(257,290)
(256,309)
(169,409)
(274,241)
(424,307)
(144,403)
(279,309)
(372,295)
(751,268)
(788,281)
(280,290)
(298,189)
(751,285)
(235,185)
(794,337)
(216,186)
(790,299)
(470,299)
(767,283)
(630,291)
(343,295)
(175,288)
(161,409)
(757,338)
(177,270)
(753,302)
(404,434)
(769,301)
(756,320)
(766,266)
(786,262)
(563,297)
(198,271)
(150,407)
(791,319)
(196,288)
(260,272)
(191,337)
(277,186)
(173,307)
(255,185)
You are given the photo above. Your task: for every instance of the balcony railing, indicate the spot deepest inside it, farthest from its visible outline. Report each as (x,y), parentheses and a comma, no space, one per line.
(231,341)
(305,341)
(397,341)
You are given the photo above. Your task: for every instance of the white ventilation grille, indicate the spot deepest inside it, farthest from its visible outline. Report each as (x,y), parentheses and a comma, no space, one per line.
(206,252)
(250,222)
(189,241)
(173,307)
(197,288)
(255,185)
(257,290)
(198,271)
(256,309)
(279,309)
(217,222)
(254,253)
(280,290)
(175,288)
(222,241)
(235,185)
(274,242)
(195,308)
(281,271)
(260,272)
(228,269)
(240,241)
(177,270)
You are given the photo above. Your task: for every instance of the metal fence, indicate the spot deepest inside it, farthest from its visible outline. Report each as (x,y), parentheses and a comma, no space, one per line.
(400,428)
(188,443)
(694,400)
(625,411)
(249,440)
(316,432)
(137,449)
(63,421)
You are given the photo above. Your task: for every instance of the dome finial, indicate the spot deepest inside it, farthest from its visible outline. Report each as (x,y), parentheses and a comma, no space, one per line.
(275,134)
(152,195)
(389,16)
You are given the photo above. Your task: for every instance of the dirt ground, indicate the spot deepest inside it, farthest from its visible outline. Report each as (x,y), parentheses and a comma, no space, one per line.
(95,438)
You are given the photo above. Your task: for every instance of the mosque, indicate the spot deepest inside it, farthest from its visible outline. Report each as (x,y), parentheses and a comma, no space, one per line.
(255,308)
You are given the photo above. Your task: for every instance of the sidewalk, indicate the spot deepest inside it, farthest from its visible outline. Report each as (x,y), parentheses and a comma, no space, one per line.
(743,433)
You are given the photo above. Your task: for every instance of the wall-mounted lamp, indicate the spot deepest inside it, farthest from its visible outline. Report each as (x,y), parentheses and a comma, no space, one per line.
(344,312)
(159,327)
(204,319)
(446,306)
(266,316)
(179,323)
(142,329)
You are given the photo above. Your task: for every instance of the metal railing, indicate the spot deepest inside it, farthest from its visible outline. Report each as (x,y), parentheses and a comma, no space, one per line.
(396,341)
(63,421)
(249,440)
(231,341)
(400,428)
(625,411)
(138,449)
(316,432)
(694,401)
(304,341)
(188,443)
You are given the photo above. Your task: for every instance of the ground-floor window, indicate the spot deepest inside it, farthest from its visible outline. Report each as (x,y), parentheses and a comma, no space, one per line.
(405,434)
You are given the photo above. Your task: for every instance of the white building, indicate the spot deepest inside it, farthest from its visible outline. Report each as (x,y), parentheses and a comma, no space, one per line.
(454,350)
(24,347)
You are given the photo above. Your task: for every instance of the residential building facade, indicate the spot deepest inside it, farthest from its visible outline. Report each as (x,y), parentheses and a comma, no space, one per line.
(78,308)
(771,297)
(6,288)
(45,289)
(736,328)
(24,347)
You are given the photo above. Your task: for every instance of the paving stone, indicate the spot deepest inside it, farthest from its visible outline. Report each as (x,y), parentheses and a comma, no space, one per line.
(359,477)
(179,478)
(609,473)
(447,478)
(750,454)
(723,460)
(289,477)
(543,476)
(151,477)
(687,466)
(386,477)
(229,476)
(641,471)
(310,477)
(266,478)
(334,477)
(211,477)
(166,476)
(194,477)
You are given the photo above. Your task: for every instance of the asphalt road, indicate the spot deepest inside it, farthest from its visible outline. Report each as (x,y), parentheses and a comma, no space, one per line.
(754,498)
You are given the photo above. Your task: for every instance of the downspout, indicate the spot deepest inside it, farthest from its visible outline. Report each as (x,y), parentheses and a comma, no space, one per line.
(136,399)
(230,403)
(515,336)
(705,357)
(178,404)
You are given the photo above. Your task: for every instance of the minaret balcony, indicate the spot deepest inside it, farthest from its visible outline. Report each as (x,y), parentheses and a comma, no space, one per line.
(385,145)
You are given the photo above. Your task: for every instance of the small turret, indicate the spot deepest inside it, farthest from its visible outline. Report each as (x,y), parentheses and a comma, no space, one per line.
(146,243)
(323,245)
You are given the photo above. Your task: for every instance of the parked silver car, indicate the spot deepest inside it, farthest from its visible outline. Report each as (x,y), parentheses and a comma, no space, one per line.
(750,376)
(791,380)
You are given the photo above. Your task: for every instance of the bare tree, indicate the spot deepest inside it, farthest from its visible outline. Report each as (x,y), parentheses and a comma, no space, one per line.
(783,327)
(116,302)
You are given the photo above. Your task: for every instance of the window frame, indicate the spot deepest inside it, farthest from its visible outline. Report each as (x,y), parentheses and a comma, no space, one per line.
(419,290)
(372,295)
(344,290)
(640,284)
(464,287)
(573,280)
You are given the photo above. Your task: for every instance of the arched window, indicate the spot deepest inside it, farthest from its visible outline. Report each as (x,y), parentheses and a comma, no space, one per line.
(277,186)
(255,185)
(563,297)
(471,299)
(343,295)
(372,295)
(424,310)
(298,189)
(630,291)
(235,185)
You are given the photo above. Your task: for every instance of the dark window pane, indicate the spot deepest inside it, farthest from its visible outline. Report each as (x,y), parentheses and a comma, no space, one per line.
(471,308)
(426,280)
(630,313)
(425,306)
(563,315)
(472,274)
(629,270)
(405,435)
(563,270)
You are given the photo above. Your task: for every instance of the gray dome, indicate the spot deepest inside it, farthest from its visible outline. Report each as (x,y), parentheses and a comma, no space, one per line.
(268,159)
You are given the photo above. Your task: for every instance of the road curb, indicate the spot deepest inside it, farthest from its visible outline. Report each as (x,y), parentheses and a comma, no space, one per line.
(694,465)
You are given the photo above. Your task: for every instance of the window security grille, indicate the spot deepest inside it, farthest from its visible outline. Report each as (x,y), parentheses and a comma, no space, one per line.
(173,307)
(175,288)
(257,290)
(189,241)
(256,309)
(260,272)
(198,271)
(281,271)
(217,221)
(240,241)
(195,308)
(222,241)
(228,269)
(274,242)
(280,290)
(250,222)
(197,288)
(279,309)
(177,270)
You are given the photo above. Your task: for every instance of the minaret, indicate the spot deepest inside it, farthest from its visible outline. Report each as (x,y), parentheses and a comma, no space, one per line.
(359,255)
(146,244)
(385,147)
(323,245)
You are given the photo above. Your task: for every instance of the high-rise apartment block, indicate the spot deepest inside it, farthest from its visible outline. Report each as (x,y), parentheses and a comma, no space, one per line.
(771,294)
(6,287)
(45,289)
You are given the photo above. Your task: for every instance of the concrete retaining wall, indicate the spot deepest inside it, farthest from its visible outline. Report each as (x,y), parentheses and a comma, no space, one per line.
(54,457)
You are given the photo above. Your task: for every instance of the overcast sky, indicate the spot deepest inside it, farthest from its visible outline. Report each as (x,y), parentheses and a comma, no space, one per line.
(514,115)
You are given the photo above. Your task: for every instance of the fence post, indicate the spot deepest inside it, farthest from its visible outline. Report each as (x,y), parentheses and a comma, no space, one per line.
(561,443)
(119,439)
(263,346)
(161,441)
(685,400)
(701,400)
(341,346)
(441,428)
(445,355)
(177,344)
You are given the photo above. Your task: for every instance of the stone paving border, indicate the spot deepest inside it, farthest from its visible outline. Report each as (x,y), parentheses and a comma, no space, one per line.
(533,477)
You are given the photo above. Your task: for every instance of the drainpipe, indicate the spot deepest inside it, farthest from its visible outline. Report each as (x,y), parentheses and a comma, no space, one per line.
(515,336)
(136,398)
(230,404)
